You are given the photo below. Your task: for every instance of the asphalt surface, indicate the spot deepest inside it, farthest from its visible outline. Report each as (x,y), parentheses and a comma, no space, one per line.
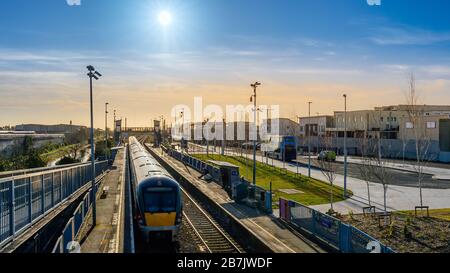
(399,178)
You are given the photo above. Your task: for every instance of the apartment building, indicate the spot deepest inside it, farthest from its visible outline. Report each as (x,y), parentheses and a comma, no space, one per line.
(315,126)
(390,123)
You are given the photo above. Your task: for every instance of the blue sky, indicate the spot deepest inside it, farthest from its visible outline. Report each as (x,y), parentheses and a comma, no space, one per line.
(301,50)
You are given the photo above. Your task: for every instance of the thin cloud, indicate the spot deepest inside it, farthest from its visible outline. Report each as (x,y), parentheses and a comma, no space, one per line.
(407,36)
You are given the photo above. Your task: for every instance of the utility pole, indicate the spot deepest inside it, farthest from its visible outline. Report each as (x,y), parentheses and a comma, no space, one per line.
(254,86)
(96,75)
(114,131)
(309,139)
(223,136)
(318,131)
(206,138)
(106,130)
(345,145)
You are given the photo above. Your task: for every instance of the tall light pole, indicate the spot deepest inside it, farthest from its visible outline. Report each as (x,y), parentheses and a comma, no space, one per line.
(224,122)
(114,131)
(345,145)
(96,75)
(253,97)
(206,138)
(309,139)
(106,129)
(318,131)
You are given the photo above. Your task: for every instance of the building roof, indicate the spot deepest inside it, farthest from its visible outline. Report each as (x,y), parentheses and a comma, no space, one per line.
(222,164)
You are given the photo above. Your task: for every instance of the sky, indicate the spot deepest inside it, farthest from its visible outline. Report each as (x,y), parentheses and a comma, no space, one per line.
(300,50)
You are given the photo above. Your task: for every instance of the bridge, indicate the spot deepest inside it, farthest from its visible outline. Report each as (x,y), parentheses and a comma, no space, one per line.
(145,134)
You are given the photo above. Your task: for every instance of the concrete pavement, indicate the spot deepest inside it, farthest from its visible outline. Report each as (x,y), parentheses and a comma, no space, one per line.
(107,235)
(437,173)
(398,197)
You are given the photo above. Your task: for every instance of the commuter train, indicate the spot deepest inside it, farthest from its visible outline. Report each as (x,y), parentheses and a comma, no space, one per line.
(157,195)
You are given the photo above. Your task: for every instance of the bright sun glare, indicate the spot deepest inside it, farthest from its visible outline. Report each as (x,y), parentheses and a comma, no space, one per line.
(165,18)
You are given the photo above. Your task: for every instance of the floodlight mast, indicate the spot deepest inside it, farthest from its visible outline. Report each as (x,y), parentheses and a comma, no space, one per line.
(253,98)
(96,75)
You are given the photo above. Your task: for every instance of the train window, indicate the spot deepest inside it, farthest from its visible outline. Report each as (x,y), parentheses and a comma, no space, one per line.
(160,200)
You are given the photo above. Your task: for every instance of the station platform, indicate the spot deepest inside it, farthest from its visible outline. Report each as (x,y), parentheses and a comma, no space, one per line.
(267,227)
(107,236)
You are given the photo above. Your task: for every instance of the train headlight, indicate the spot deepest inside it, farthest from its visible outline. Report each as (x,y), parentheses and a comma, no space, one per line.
(179,218)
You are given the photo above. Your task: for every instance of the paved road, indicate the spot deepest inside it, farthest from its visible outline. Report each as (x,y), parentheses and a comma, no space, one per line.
(399,177)
(398,197)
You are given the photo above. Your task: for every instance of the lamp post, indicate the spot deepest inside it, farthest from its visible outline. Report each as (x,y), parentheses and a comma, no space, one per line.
(96,75)
(309,139)
(106,129)
(253,97)
(224,136)
(318,131)
(114,137)
(345,145)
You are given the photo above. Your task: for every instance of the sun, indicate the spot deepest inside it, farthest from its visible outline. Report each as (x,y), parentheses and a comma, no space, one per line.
(165,18)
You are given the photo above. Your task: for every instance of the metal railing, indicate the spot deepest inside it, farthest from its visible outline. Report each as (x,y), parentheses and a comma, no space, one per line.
(35,170)
(25,199)
(73,226)
(260,196)
(342,237)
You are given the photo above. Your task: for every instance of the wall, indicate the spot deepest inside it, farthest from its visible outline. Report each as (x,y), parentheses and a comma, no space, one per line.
(10,143)
(392,148)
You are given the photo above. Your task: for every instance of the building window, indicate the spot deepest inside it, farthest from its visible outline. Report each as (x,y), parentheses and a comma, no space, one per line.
(431,125)
(409,125)
(381,119)
(302,128)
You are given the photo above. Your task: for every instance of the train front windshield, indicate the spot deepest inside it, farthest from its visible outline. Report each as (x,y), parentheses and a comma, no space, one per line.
(157,200)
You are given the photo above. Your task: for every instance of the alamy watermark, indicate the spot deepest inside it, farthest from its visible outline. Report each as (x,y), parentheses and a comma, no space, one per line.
(209,123)
(73,2)
(374,2)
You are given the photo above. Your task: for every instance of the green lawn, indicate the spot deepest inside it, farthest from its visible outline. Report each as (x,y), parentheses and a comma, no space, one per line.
(57,153)
(443,214)
(314,192)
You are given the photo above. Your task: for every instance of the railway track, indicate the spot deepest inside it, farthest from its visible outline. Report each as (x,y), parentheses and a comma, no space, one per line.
(211,235)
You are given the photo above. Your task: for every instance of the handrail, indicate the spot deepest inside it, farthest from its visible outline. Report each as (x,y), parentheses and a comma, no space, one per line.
(34,170)
(43,172)
(25,199)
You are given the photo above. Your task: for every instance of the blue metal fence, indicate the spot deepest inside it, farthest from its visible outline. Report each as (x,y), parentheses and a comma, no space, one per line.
(25,199)
(262,197)
(343,237)
(73,226)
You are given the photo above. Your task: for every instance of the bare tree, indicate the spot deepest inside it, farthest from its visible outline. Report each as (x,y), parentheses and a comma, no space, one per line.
(376,161)
(328,168)
(379,170)
(416,116)
(364,168)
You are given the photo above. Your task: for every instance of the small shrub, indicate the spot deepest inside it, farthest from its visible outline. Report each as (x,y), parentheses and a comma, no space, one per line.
(350,213)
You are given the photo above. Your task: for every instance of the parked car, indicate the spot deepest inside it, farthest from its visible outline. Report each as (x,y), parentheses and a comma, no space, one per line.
(327,155)
(249,145)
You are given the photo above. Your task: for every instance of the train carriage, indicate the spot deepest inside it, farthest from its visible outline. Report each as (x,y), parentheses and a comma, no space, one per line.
(157,195)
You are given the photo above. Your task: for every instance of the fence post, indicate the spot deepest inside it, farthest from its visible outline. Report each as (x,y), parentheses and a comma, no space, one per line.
(82,209)
(61,186)
(53,190)
(314,222)
(12,210)
(42,195)
(30,201)
(61,245)
(72,224)
(344,237)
